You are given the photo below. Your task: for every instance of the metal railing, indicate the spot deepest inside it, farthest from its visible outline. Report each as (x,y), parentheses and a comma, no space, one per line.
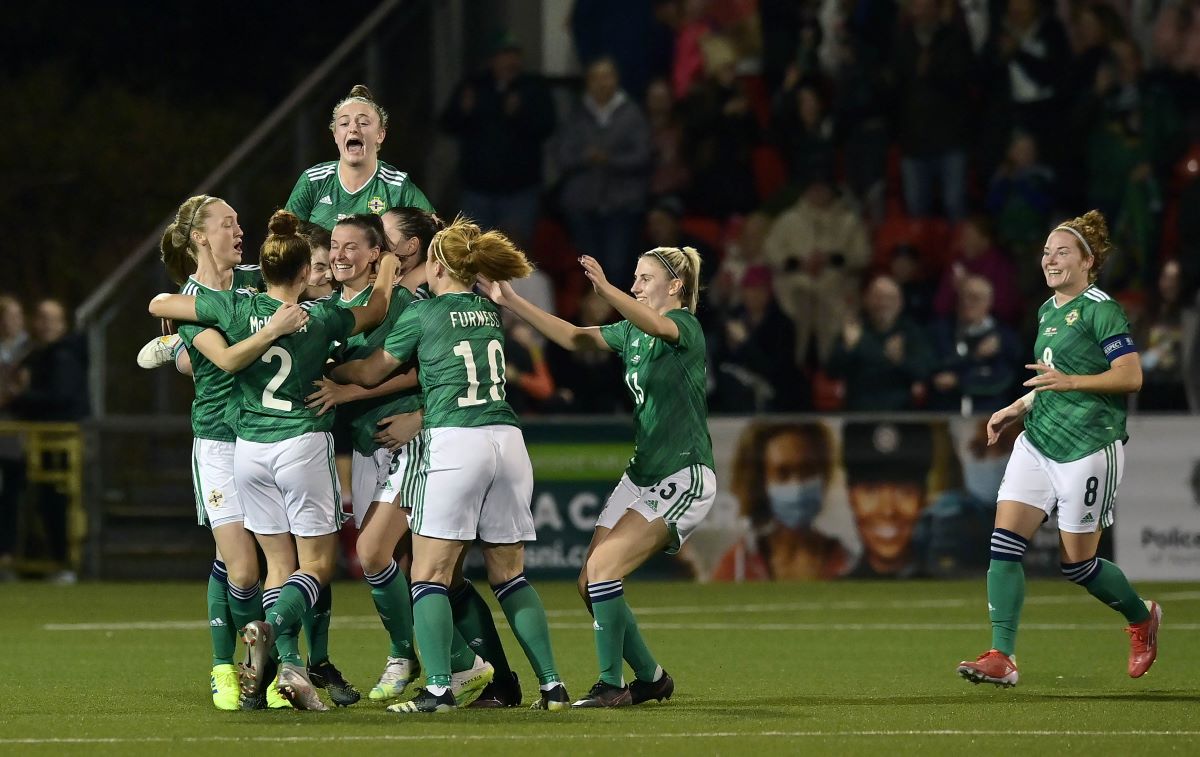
(54,456)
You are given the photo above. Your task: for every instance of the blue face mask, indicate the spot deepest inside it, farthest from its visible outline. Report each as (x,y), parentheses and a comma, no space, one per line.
(795,505)
(982,478)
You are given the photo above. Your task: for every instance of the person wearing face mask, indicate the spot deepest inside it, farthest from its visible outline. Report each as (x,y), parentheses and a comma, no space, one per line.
(1069,461)
(887,467)
(358,181)
(952,527)
(780,475)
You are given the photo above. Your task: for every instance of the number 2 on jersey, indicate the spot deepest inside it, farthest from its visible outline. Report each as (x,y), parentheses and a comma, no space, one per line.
(285,367)
(495,355)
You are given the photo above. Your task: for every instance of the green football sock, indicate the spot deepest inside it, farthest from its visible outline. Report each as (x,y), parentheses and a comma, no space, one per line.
(611,615)
(473,620)
(1110,586)
(295,599)
(462,657)
(245,605)
(220,622)
(636,653)
(316,626)
(527,617)
(390,593)
(1006,595)
(433,627)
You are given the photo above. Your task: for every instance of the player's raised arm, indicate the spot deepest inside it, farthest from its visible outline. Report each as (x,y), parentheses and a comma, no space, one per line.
(564,334)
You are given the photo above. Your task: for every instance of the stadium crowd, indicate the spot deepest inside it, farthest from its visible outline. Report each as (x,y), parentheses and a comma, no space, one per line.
(869,185)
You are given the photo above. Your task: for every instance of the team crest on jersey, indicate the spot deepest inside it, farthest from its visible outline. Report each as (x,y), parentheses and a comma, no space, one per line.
(215,498)
(376,205)
(1072,317)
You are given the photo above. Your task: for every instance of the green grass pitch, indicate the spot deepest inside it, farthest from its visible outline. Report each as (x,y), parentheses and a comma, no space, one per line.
(831,668)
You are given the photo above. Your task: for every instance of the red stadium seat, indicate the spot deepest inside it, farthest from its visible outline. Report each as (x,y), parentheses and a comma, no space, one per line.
(828,394)
(770,173)
(554,254)
(707,230)
(930,237)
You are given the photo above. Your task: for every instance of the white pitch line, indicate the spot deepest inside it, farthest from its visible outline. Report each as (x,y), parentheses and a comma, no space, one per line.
(591,736)
(361,622)
(365,622)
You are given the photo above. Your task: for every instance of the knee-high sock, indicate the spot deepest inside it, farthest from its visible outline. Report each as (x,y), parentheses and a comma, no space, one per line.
(1107,583)
(390,592)
(296,598)
(220,622)
(473,620)
(245,604)
(433,628)
(1006,588)
(316,626)
(527,617)
(611,616)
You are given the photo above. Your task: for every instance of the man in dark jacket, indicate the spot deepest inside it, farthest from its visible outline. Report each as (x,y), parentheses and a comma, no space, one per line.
(501,118)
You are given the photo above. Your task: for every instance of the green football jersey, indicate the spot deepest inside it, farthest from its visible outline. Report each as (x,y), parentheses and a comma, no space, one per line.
(320,197)
(1079,338)
(458,341)
(271,390)
(211,408)
(670,408)
(365,415)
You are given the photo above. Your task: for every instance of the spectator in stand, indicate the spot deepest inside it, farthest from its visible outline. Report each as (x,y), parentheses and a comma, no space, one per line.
(1133,133)
(744,251)
(603,155)
(687,69)
(528,381)
(975,356)
(720,134)
(669,173)
(1162,333)
(883,357)
(14,344)
(52,386)
(1021,196)
(663,230)
(589,381)
(753,354)
(501,117)
(859,114)
(1028,56)
(637,37)
(1177,37)
(802,128)
(977,254)
(931,65)
(916,289)
(817,249)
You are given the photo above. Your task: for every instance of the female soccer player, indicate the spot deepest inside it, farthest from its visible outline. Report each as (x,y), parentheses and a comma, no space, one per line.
(475,479)
(320,278)
(669,485)
(205,237)
(358,181)
(283,461)
(1070,458)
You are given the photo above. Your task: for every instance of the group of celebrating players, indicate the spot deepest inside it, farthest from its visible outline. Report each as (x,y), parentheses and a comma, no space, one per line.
(406,347)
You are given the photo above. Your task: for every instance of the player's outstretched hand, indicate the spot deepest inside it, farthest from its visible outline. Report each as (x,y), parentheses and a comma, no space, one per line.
(594,272)
(288,319)
(1049,378)
(496,291)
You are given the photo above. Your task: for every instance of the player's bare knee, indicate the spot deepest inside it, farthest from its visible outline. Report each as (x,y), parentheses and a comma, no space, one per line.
(504,562)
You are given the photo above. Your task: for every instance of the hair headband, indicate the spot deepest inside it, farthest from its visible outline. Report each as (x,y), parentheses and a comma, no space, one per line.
(187,232)
(670,268)
(436,246)
(1078,236)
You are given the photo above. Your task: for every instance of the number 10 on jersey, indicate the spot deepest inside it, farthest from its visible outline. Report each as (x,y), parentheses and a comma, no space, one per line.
(495,356)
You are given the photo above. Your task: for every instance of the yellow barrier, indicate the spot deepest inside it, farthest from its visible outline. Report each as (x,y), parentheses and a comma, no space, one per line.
(54,455)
